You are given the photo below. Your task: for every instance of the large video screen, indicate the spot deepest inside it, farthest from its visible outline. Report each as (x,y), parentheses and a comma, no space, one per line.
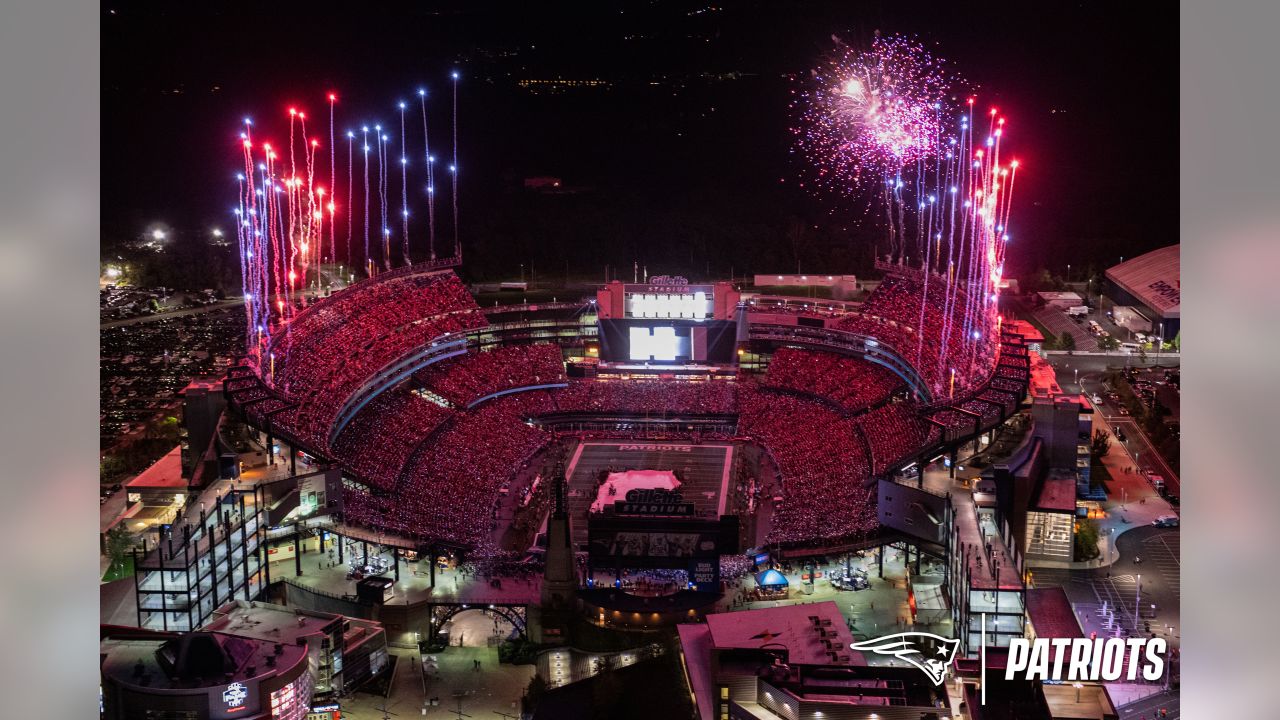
(660,542)
(668,341)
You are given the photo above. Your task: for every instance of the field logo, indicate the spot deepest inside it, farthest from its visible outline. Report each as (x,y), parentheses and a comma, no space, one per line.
(931,653)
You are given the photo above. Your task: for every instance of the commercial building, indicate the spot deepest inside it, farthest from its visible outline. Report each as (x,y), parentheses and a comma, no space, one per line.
(344,652)
(201,676)
(1149,288)
(795,662)
(206,558)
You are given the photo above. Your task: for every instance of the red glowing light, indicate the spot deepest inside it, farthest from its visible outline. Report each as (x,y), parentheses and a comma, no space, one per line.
(293,111)
(332,97)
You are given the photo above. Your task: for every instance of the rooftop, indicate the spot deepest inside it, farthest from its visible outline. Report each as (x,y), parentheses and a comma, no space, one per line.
(1050,613)
(124,649)
(1057,492)
(165,474)
(791,627)
(1154,278)
(277,623)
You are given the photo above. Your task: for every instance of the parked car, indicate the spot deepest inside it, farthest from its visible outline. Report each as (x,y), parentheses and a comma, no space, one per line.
(1166,521)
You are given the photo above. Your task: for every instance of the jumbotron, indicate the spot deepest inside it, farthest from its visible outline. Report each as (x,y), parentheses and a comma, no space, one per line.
(433,406)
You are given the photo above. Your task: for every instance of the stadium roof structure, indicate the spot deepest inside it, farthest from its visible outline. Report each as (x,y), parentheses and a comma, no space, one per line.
(1154,279)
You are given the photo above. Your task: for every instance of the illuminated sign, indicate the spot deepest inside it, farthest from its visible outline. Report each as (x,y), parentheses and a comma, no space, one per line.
(235,695)
(668,280)
(655,501)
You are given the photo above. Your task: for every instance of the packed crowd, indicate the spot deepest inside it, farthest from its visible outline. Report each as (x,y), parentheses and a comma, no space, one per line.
(849,382)
(989,413)
(377,442)
(823,461)
(449,484)
(956,422)
(893,433)
(892,314)
(466,379)
(334,346)
(649,397)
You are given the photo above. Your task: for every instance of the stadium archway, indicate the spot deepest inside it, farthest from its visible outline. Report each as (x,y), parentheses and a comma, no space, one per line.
(515,617)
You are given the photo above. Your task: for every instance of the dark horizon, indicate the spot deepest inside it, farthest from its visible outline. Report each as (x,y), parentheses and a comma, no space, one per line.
(675,184)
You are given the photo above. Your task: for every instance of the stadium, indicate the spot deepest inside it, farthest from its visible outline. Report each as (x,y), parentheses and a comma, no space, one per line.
(451,423)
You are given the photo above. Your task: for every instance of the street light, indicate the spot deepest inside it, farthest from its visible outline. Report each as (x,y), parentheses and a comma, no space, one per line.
(1137,602)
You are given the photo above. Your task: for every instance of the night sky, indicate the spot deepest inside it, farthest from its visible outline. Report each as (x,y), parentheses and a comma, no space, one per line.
(684,156)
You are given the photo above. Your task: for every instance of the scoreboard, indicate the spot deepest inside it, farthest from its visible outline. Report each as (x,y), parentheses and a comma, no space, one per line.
(668,320)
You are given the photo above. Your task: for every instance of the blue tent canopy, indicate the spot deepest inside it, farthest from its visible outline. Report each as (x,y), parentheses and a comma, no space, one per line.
(771,578)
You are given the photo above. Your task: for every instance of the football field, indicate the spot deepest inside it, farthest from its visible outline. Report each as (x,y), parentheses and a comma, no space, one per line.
(703,470)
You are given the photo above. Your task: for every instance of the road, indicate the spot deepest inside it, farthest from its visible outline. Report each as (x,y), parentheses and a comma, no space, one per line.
(1149,708)
(1084,374)
(1149,568)
(174,313)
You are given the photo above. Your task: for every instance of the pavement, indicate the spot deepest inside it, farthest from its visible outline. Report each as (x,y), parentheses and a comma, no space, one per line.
(874,611)
(450,678)
(1149,708)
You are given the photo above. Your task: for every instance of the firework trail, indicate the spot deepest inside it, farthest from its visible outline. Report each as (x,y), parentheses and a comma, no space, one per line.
(351,189)
(368,267)
(333,186)
(404,190)
(280,215)
(431,177)
(453,169)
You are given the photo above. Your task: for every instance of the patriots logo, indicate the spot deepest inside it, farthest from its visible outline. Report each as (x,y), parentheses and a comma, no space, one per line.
(929,652)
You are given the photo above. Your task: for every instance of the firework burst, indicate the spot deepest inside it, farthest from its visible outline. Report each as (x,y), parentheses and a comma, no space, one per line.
(885,124)
(874,111)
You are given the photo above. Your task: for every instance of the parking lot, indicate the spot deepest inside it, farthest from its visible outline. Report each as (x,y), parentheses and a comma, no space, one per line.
(143,366)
